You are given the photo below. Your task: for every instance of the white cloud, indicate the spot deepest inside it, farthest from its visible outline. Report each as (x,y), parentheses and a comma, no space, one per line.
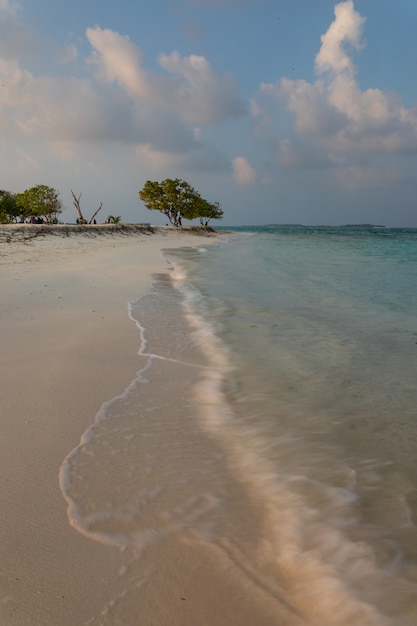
(119,101)
(243,172)
(334,118)
(191,90)
(118,59)
(346,29)
(200,95)
(57,110)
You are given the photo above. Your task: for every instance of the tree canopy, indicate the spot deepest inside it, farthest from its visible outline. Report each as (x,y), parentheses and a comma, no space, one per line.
(40,201)
(178,200)
(8,207)
(174,198)
(208,211)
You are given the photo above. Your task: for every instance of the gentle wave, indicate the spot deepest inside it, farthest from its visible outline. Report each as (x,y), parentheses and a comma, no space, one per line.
(252,426)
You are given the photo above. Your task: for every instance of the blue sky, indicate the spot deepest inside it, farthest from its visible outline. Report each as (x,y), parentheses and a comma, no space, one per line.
(284,111)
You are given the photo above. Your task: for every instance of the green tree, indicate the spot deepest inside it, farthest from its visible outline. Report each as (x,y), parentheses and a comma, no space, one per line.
(176,199)
(40,201)
(209,211)
(9,208)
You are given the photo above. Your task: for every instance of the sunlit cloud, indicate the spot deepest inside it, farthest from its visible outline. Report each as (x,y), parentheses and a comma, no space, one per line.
(118,100)
(190,89)
(118,59)
(335,121)
(346,30)
(243,172)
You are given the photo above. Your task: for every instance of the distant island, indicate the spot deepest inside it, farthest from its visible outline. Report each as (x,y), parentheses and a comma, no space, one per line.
(324,226)
(362,226)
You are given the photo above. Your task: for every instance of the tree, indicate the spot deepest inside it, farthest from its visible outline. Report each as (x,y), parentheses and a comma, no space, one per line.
(80,217)
(40,201)
(114,219)
(177,200)
(8,207)
(208,211)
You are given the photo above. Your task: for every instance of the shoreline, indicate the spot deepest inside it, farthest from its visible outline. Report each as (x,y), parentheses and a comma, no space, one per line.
(11,233)
(68,348)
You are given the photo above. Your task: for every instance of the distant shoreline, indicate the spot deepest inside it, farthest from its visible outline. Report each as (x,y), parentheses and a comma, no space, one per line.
(324,226)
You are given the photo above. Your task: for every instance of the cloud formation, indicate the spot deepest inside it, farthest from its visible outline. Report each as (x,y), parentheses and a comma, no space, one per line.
(104,107)
(117,99)
(243,172)
(199,94)
(190,89)
(335,122)
(346,29)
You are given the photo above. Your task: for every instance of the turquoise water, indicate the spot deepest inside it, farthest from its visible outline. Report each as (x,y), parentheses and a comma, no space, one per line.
(317,330)
(275,418)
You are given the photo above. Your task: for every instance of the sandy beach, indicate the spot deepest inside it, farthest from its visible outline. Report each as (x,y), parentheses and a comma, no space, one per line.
(68,346)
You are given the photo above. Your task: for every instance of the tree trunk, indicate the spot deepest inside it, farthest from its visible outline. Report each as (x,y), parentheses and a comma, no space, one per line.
(94,214)
(76,201)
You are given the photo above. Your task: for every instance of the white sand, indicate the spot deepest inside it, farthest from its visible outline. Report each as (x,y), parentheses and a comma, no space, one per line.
(67,346)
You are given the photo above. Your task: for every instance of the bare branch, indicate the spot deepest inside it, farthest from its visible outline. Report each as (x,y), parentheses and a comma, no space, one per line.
(94,214)
(76,202)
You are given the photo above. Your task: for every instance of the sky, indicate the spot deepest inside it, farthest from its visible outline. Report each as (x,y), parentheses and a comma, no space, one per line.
(283,111)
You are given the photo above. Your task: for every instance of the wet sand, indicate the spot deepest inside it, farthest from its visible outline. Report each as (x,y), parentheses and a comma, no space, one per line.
(68,346)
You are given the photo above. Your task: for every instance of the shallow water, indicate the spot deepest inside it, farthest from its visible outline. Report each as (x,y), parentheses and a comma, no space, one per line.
(286,433)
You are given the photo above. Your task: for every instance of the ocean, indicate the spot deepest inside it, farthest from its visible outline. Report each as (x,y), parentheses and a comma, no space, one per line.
(286,359)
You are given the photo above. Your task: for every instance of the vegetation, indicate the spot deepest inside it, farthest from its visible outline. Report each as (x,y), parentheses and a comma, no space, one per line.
(9,209)
(208,211)
(174,198)
(178,200)
(41,202)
